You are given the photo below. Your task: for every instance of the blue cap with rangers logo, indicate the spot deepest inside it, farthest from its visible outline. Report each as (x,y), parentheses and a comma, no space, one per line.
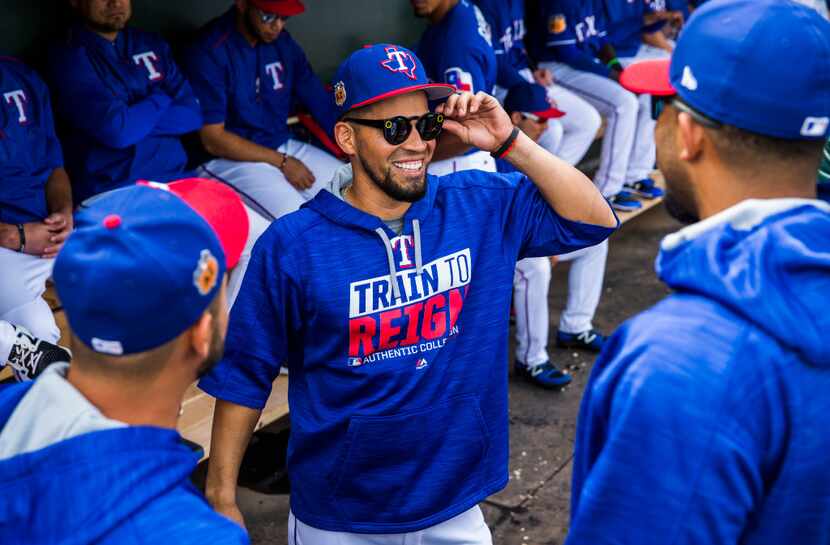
(139,269)
(381,71)
(759,65)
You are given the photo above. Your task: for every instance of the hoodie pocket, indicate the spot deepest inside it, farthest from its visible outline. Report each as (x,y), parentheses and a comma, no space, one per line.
(409,466)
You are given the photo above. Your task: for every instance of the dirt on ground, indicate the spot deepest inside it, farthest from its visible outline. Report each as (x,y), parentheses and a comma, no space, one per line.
(534,508)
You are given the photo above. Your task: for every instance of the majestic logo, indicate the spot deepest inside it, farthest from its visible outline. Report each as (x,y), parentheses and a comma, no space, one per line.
(339,93)
(458,78)
(18,98)
(688,80)
(421,363)
(274,70)
(815,126)
(557,24)
(206,274)
(148,59)
(107,347)
(400,61)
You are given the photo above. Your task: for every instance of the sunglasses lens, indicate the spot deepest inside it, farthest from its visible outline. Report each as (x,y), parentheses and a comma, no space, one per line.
(429,126)
(396,130)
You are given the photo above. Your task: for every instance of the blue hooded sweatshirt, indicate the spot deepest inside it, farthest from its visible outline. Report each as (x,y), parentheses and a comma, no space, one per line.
(119,485)
(706,417)
(396,346)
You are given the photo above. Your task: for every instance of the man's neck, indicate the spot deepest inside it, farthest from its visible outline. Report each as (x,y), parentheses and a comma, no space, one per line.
(364,195)
(135,403)
(110,35)
(243,29)
(441,11)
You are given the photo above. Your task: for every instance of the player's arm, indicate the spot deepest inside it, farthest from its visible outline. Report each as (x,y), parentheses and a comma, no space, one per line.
(184,114)
(89,106)
(658,39)
(480,121)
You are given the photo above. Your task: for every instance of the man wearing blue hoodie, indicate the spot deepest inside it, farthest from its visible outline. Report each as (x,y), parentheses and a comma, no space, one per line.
(90,453)
(705,418)
(387,297)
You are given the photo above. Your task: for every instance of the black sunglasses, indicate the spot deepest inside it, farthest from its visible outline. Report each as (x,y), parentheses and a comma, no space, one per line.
(268,18)
(397,129)
(658,104)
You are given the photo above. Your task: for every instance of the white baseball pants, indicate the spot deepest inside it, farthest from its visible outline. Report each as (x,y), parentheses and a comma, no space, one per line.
(530,299)
(264,188)
(480,160)
(468,528)
(256,226)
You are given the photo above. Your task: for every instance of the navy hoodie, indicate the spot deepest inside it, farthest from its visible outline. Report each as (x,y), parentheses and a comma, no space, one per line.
(706,417)
(124,486)
(396,346)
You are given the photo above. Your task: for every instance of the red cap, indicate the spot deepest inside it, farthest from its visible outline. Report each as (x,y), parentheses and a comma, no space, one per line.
(550,113)
(220,206)
(284,8)
(648,77)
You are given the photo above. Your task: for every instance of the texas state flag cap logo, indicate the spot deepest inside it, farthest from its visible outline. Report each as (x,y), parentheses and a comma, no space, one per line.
(381,71)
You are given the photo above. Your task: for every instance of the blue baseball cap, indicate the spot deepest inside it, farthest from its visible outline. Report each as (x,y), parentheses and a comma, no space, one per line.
(760,65)
(531,98)
(139,269)
(382,71)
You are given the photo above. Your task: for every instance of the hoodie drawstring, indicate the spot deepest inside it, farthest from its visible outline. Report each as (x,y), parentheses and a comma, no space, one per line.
(390,256)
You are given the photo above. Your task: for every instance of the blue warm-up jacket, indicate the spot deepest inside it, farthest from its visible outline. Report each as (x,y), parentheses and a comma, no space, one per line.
(706,417)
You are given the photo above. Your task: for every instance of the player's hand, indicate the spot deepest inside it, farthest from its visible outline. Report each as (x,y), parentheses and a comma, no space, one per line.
(59,225)
(38,238)
(297,174)
(231,511)
(477,120)
(543,77)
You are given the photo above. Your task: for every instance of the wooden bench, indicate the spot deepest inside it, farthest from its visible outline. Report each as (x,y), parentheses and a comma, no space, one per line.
(657,176)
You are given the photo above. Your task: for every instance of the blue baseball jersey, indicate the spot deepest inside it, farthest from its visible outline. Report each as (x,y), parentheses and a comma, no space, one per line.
(29,149)
(459,50)
(126,104)
(625,23)
(507,24)
(396,346)
(570,32)
(252,89)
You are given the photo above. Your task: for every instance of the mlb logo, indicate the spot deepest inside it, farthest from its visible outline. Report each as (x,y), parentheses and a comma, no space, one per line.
(355,362)
(815,126)
(421,363)
(458,78)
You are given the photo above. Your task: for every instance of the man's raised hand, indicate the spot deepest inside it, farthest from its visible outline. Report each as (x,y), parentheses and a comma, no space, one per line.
(476,119)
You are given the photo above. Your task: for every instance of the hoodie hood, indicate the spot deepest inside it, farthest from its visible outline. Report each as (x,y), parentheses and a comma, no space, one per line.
(82,489)
(331,205)
(766,260)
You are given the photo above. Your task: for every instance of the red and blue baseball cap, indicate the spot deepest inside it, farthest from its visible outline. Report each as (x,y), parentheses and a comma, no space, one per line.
(283,8)
(139,269)
(531,98)
(760,65)
(381,71)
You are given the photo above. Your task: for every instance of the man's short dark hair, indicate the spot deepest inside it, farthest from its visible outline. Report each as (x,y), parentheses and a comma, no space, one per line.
(747,149)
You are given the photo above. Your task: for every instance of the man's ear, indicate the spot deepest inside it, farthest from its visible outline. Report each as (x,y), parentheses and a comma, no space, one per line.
(690,137)
(201,336)
(344,135)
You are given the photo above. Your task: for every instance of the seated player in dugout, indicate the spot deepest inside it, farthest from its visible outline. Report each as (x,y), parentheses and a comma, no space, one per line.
(705,417)
(530,110)
(457,49)
(123,99)
(388,296)
(35,218)
(248,73)
(89,453)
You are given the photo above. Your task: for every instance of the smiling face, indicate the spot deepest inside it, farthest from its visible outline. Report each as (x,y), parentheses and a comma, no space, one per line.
(399,171)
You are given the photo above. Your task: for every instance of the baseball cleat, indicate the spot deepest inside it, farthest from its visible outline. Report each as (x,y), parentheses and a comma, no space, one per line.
(544,374)
(591,340)
(625,202)
(645,188)
(30,356)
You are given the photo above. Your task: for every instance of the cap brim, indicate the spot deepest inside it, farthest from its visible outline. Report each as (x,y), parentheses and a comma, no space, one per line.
(648,78)
(550,113)
(289,9)
(434,91)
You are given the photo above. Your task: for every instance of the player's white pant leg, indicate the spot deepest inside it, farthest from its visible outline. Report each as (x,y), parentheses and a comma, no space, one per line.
(584,287)
(620,109)
(480,160)
(468,528)
(580,124)
(23,281)
(553,138)
(322,164)
(7,338)
(531,282)
(256,226)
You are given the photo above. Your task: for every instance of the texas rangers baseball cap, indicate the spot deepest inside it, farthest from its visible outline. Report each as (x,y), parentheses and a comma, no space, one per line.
(531,98)
(284,8)
(220,206)
(139,269)
(381,71)
(759,65)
